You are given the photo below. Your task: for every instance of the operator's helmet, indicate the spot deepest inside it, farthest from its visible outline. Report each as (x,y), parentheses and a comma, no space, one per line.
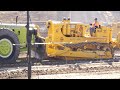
(68,18)
(64,18)
(95,18)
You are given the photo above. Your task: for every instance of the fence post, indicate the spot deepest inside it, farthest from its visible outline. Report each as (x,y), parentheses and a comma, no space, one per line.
(28,47)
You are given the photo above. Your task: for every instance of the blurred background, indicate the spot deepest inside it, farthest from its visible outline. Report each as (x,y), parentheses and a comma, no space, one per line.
(40,17)
(81,16)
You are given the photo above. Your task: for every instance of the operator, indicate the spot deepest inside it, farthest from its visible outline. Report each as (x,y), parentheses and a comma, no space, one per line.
(93,27)
(95,24)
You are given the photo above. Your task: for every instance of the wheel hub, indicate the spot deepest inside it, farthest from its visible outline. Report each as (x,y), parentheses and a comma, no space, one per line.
(6,48)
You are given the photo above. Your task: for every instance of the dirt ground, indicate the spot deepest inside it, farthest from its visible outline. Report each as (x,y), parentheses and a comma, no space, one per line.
(98,72)
(91,75)
(104,75)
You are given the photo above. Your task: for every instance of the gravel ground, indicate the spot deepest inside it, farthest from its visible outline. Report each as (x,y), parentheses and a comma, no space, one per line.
(100,72)
(100,75)
(110,75)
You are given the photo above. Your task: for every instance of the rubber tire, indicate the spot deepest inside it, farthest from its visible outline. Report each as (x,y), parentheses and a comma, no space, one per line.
(8,34)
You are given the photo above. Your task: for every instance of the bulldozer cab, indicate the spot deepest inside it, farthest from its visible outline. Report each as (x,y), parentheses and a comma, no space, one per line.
(74,30)
(71,29)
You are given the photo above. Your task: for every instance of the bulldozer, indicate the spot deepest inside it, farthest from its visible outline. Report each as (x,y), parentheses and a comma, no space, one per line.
(72,41)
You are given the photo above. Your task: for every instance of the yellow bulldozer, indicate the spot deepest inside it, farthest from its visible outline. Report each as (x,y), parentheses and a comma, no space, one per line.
(72,41)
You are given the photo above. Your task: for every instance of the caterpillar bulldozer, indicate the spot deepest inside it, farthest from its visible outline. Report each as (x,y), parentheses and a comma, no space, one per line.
(65,40)
(72,41)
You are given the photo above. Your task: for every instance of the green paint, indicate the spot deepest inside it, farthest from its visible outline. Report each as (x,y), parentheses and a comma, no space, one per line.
(20,30)
(5,48)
